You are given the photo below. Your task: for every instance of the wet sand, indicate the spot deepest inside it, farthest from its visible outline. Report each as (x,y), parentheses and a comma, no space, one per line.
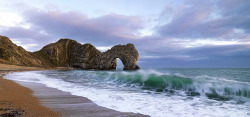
(5,67)
(69,105)
(16,100)
(37,100)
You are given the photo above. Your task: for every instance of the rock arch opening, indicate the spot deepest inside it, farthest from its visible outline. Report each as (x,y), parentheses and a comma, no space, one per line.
(120,65)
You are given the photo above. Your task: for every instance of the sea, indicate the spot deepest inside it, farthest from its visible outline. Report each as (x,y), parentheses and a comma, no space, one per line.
(163,92)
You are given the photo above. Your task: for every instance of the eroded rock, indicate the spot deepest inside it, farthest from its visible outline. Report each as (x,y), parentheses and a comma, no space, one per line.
(69,53)
(10,53)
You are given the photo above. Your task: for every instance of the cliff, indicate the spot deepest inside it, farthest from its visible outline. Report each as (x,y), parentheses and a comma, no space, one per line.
(16,55)
(69,53)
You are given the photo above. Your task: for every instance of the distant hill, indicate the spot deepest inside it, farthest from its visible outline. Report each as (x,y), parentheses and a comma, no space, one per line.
(69,53)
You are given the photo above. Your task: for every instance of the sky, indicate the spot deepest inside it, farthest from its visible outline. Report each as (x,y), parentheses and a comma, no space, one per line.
(166,33)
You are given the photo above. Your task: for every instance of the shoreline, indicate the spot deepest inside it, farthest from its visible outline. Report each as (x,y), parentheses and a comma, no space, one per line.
(70,105)
(16,100)
(34,99)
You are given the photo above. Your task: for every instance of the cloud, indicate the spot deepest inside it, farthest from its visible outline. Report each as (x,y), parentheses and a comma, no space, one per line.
(30,39)
(194,34)
(215,52)
(103,48)
(20,32)
(208,19)
(205,56)
(48,26)
(113,28)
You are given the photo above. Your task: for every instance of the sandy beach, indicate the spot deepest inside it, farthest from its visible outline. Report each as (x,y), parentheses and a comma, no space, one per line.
(16,100)
(32,99)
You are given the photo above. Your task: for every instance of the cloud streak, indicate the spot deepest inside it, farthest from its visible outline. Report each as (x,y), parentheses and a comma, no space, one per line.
(111,27)
(49,26)
(208,19)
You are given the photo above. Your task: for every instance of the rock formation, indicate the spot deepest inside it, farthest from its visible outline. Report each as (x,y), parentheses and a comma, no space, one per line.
(69,53)
(127,53)
(13,54)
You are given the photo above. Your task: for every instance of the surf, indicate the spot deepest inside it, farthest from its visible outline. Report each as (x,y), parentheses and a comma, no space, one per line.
(154,92)
(214,88)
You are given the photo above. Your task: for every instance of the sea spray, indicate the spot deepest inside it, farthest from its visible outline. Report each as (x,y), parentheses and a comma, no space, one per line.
(155,92)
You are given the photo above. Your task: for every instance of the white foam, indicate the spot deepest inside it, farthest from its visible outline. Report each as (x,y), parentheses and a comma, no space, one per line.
(155,105)
(180,75)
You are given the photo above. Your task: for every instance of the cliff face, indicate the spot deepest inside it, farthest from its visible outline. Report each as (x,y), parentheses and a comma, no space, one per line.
(69,53)
(13,54)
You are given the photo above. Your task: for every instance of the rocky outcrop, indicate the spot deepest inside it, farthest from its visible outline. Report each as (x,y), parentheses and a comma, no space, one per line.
(69,53)
(126,53)
(13,54)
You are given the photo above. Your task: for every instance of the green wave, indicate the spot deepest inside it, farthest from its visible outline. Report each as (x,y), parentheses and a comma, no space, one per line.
(213,89)
(171,82)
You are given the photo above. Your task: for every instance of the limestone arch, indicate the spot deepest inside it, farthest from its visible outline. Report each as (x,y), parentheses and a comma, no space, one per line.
(126,53)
